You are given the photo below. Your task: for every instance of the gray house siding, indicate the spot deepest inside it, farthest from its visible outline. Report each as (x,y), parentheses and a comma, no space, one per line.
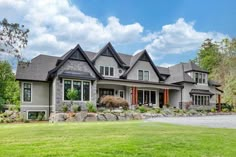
(143,65)
(73,66)
(39,98)
(110,62)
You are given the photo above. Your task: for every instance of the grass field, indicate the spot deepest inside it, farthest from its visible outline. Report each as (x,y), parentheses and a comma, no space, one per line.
(132,139)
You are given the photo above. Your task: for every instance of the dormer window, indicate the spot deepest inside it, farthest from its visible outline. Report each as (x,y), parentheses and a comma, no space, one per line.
(107,71)
(143,75)
(200,78)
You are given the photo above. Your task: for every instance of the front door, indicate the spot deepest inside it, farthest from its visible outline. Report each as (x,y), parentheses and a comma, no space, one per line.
(161,100)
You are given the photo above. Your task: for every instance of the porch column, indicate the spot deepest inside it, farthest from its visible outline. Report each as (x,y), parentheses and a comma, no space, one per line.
(166,96)
(219,103)
(134,96)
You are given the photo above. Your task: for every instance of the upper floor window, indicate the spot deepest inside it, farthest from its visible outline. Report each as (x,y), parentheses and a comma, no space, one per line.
(200,78)
(27,92)
(107,71)
(82,87)
(143,75)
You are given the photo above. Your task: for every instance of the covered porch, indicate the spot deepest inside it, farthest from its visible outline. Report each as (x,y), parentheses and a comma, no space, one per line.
(140,93)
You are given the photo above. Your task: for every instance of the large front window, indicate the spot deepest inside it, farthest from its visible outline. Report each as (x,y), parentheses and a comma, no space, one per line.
(146,97)
(27,92)
(82,87)
(143,75)
(201,99)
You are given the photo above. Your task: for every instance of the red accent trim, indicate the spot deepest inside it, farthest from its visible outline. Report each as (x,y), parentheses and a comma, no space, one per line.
(219,103)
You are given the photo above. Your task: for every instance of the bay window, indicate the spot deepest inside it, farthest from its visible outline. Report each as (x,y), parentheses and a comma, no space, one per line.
(201,99)
(82,87)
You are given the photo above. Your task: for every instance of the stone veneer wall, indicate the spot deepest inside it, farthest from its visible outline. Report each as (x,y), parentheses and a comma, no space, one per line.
(74,65)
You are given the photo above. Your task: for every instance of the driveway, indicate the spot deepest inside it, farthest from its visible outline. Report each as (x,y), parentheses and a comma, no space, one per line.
(221,121)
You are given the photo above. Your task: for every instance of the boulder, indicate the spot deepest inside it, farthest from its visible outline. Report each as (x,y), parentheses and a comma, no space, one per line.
(137,116)
(80,116)
(59,117)
(101,117)
(91,117)
(71,119)
(9,113)
(110,117)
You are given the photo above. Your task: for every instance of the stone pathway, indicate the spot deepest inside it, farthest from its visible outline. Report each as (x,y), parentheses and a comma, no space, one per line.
(219,121)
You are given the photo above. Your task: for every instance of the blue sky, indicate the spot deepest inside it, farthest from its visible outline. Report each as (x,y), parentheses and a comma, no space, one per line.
(170,30)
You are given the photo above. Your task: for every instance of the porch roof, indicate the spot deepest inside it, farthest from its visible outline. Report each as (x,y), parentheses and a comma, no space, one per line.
(138,83)
(201,91)
(76,74)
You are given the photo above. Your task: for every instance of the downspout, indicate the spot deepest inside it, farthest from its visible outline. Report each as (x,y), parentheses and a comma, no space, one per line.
(181,98)
(49,108)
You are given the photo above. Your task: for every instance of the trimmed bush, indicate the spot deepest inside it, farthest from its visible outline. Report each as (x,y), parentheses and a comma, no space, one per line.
(90,107)
(64,108)
(142,109)
(114,102)
(76,108)
(213,110)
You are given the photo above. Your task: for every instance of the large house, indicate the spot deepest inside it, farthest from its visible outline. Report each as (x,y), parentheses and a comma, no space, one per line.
(45,81)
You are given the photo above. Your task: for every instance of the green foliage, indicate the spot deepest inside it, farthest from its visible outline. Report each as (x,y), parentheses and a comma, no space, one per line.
(213,110)
(40,116)
(157,110)
(9,91)
(72,94)
(225,110)
(13,38)
(76,108)
(142,109)
(64,107)
(90,107)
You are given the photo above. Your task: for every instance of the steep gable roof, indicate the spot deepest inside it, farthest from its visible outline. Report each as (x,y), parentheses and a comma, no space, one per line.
(78,54)
(108,50)
(163,70)
(143,56)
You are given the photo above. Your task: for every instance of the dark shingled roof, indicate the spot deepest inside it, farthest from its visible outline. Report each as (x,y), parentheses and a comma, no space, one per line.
(190,66)
(200,91)
(163,70)
(177,74)
(37,69)
(213,83)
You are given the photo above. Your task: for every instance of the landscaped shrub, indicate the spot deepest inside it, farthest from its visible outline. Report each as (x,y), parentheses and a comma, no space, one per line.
(192,112)
(157,110)
(142,109)
(227,106)
(114,102)
(1,120)
(76,108)
(64,108)
(225,110)
(90,107)
(213,110)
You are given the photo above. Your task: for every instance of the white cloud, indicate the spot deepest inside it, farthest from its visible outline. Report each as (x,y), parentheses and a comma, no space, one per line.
(57,26)
(166,65)
(177,38)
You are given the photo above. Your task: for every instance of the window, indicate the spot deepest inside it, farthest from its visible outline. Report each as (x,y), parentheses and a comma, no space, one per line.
(77,86)
(200,77)
(67,86)
(146,75)
(121,93)
(107,71)
(33,115)
(143,75)
(83,88)
(140,75)
(102,70)
(27,93)
(86,91)
(146,97)
(111,71)
(201,100)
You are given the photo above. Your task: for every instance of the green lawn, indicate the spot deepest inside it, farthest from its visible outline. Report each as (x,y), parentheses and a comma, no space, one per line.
(114,139)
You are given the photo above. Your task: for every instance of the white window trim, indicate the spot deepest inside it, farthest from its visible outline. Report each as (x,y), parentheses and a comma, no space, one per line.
(143,75)
(123,93)
(206,78)
(22,90)
(109,71)
(149,95)
(27,113)
(82,93)
(201,95)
